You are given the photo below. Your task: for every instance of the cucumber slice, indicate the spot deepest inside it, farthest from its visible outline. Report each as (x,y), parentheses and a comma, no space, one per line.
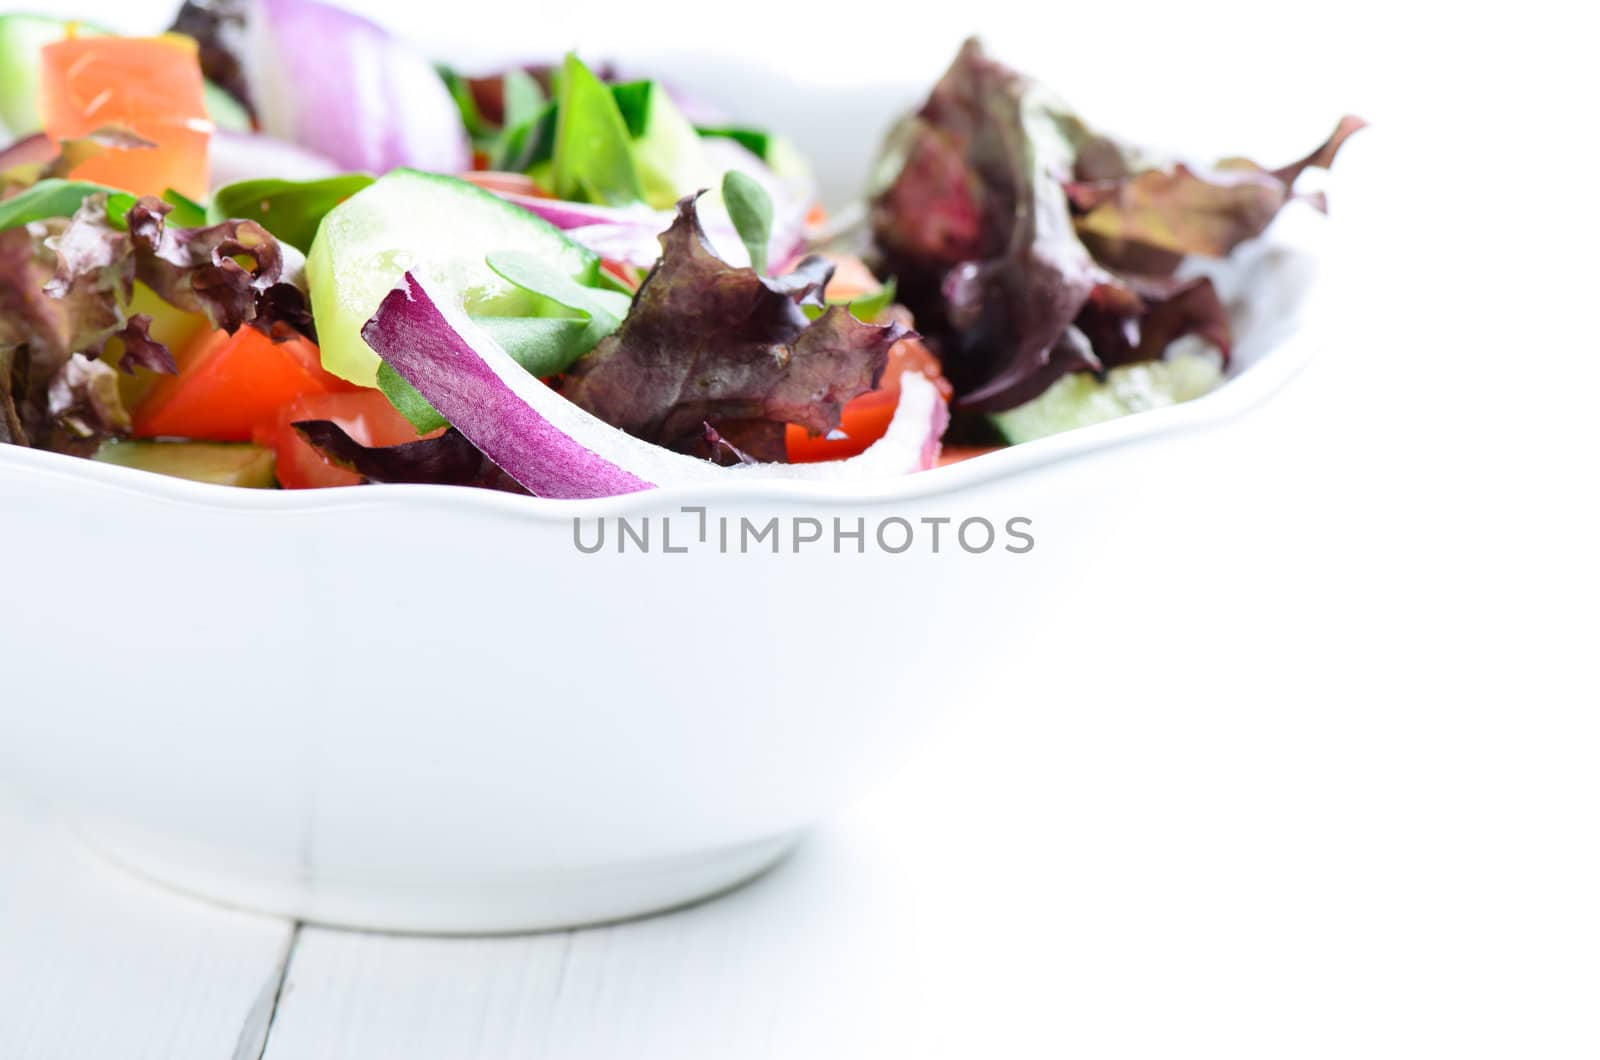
(1079,399)
(220,463)
(440,226)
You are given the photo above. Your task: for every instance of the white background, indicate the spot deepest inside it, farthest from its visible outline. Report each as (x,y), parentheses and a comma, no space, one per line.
(1337,798)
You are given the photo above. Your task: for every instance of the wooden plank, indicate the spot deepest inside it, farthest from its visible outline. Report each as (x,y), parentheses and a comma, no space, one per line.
(787,966)
(96,964)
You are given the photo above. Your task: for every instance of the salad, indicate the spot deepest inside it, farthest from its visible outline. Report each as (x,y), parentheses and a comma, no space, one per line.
(276,247)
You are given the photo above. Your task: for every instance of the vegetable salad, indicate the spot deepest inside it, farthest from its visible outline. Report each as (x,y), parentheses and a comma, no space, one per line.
(277,247)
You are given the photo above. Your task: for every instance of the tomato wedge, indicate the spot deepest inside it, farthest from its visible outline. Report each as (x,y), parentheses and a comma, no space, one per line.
(866,419)
(364,415)
(148,86)
(227,385)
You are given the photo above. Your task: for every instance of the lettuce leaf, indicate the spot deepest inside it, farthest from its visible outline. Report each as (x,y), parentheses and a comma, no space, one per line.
(448,459)
(715,360)
(750,208)
(54,304)
(218,26)
(1131,217)
(84,400)
(234,272)
(972,221)
(515,147)
(1161,310)
(54,197)
(140,349)
(1029,246)
(592,159)
(65,283)
(292,210)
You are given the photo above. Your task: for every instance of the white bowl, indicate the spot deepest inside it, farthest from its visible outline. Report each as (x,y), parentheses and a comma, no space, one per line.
(423,708)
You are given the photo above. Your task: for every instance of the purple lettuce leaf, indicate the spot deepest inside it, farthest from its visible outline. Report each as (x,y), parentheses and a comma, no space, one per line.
(976,230)
(218,26)
(198,269)
(52,306)
(12,431)
(94,261)
(1028,246)
(448,459)
(1130,218)
(64,289)
(49,304)
(141,350)
(85,404)
(708,344)
(1137,317)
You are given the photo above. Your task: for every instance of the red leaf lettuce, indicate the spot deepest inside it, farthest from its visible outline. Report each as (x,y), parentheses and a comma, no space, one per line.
(1135,218)
(448,459)
(64,290)
(1028,246)
(715,360)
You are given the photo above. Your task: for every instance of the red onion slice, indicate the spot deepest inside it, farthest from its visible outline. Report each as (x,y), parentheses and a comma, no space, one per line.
(343,87)
(556,449)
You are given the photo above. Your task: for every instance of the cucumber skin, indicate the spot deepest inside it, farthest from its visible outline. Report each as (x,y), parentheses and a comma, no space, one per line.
(218,463)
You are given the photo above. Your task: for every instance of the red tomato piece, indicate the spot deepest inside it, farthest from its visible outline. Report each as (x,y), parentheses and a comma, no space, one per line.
(227,385)
(867,418)
(149,86)
(364,415)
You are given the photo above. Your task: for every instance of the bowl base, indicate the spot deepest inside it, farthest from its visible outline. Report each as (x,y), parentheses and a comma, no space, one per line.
(546,900)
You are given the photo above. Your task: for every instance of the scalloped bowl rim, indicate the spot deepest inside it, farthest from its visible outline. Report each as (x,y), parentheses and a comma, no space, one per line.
(1239,393)
(1274,364)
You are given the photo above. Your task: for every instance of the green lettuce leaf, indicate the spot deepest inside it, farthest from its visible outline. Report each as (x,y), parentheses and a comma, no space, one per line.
(54,197)
(515,148)
(750,207)
(592,159)
(292,210)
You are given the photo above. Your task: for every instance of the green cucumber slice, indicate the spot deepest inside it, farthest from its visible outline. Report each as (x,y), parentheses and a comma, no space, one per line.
(1079,399)
(441,226)
(220,463)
